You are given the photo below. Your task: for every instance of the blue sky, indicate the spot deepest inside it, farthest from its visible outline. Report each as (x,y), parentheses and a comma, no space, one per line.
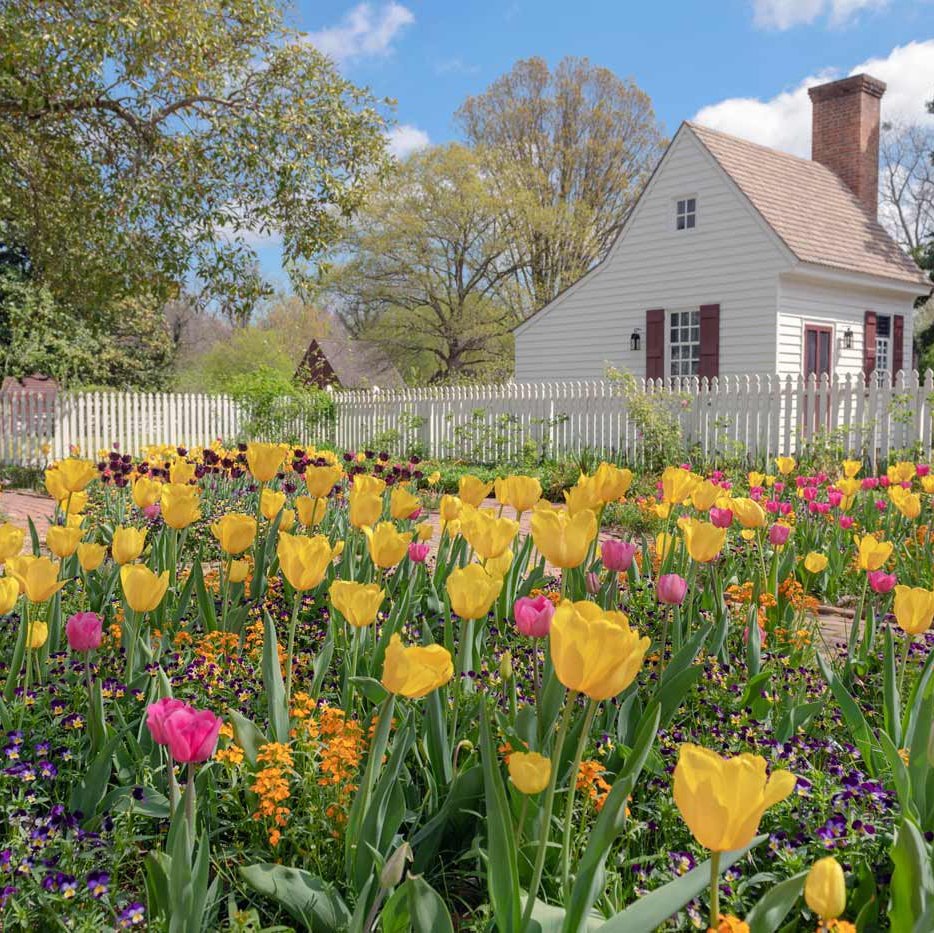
(740,65)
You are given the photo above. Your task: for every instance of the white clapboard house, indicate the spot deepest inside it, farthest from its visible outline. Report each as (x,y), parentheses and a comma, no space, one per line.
(739,259)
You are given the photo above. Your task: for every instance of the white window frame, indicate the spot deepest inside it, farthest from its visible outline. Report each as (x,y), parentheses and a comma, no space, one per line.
(686,213)
(681,345)
(884,347)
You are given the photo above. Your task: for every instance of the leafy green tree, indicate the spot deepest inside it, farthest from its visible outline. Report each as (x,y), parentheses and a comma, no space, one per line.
(578,143)
(146,142)
(428,270)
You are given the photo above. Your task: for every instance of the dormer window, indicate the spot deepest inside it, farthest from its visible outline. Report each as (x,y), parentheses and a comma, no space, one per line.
(686,214)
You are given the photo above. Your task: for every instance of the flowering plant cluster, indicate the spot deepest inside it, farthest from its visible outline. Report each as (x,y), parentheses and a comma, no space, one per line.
(267,685)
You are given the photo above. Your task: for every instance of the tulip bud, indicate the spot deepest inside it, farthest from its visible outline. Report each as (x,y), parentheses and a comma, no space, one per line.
(592,582)
(721,518)
(825,888)
(671,589)
(778,535)
(533,615)
(418,552)
(617,555)
(882,582)
(394,869)
(84,631)
(505,666)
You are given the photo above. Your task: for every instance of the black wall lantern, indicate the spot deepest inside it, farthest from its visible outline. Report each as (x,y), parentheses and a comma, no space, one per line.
(848,339)
(634,340)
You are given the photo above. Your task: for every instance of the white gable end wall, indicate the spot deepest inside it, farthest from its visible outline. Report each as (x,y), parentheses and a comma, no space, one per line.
(731,258)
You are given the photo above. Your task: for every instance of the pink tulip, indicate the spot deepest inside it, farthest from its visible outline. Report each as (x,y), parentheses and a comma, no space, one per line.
(617,555)
(772,506)
(778,486)
(721,518)
(922,469)
(755,493)
(882,582)
(85,631)
(671,589)
(414,516)
(726,484)
(801,481)
(884,481)
(881,505)
(156,715)
(418,552)
(778,535)
(785,508)
(846,521)
(870,482)
(592,582)
(834,497)
(809,493)
(533,615)
(191,734)
(152,512)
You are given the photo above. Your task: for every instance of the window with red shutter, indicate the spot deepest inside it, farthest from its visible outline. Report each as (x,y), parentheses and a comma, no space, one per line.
(869,343)
(710,341)
(898,343)
(655,344)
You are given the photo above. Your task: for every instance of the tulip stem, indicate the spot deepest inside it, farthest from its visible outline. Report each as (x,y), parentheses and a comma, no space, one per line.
(547,810)
(190,802)
(901,674)
(569,806)
(521,827)
(293,624)
(714,890)
(226,583)
(173,784)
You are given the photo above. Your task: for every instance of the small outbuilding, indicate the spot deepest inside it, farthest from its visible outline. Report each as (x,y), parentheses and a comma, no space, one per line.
(340,361)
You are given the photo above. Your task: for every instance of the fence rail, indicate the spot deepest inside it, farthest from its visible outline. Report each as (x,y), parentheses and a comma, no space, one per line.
(758,416)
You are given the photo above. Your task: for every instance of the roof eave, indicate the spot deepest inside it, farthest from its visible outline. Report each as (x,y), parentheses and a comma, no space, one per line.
(836,275)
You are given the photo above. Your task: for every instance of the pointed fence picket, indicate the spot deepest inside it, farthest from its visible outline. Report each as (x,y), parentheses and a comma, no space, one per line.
(752,416)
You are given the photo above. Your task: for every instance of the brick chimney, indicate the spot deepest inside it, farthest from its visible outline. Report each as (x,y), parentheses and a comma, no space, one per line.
(845,133)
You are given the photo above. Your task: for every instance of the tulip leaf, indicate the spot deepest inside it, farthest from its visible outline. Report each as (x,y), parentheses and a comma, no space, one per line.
(591,872)
(206,607)
(771,909)
(859,728)
(33,537)
(651,911)
(89,792)
(311,901)
(427,911)
(795,717)
(684,657)
(246,734)
(912,883)
(916,699)
(455,815)
(671,694)
(272,682)
(502,872)
(184,598)
(371,688)
(890,705)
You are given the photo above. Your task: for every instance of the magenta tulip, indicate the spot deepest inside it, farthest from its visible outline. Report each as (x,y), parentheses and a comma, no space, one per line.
(191,734)
(882,582)
(721,518)
(671,589)
(156,715)
(533,615)
(617,555)
(846,521)
(85,631)
(778,535)
(418,551)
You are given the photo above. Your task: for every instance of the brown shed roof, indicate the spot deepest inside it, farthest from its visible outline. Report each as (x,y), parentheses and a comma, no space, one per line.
(348,363)
(810,208)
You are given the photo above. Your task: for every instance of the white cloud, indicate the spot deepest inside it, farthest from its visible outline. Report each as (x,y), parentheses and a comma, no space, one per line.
(406,139)
(365,32)
(784,121)
(783,14)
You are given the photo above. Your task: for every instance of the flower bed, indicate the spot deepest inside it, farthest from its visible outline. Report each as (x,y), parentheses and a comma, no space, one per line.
(257,686)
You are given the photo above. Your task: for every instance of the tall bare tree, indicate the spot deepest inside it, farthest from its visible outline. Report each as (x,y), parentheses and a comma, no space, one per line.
(906,187)
(580,143)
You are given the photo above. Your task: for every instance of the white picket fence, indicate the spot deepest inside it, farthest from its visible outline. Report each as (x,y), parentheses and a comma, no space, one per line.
(759,416)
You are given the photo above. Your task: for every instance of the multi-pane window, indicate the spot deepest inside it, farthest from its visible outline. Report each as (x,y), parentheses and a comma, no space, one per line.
(686,213)
(883,343)
(684,343)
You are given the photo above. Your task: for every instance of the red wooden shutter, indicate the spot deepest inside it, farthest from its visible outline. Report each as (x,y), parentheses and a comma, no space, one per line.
(710,341)
(898,343)
(655,344)
(869,343)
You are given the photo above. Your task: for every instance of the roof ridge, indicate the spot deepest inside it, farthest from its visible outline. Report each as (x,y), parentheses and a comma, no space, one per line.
(694,125)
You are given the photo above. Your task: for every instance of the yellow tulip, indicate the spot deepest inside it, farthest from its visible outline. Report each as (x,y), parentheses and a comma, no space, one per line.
(424,531)
(472,591)
(664,545)
(901,472)
(320,480)
(582,496)
(146,492)
(310,510)
(518,492)
(927,483)
(873,553)
(678,484)
(913,608)
(594,651)
(37,634)
(473,490)
(9,593)
(851,468)
(450,509)
(386,544)
(287,520)
(416,671)
(180,505)
(142,588)
(487,535)
(704,541)
(815,562)
(358,603)
(270,503)
(529,772)
(433,478)
(562,538)
(722,799)
(498,567)
(181,472)
(849,487)
(369,485)
(337,550)
(825,889)
(62,541)
(264,460)
(74,475)
(304,561)
(748,513)
(91,556)
(402,503)
(235,532)
(610,482)
(785,465)
(37,577)
(55,484)
(705,495)
(127,544)
(907,502)
(238,571)
(365,508)
(11,541)
(73,504)
(756,479)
